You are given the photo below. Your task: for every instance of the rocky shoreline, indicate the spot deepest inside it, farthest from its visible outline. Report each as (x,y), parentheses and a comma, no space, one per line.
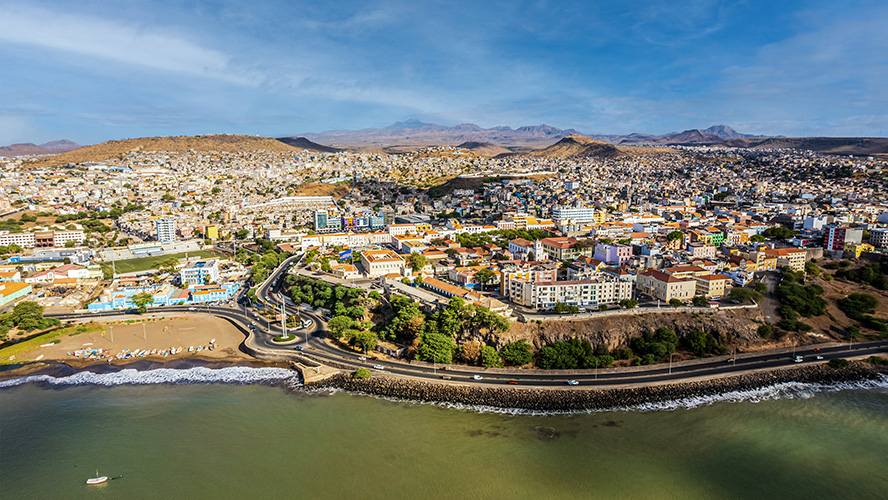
(561,400)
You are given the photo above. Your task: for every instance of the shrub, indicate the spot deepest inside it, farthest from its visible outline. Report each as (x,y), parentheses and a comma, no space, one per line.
(361,373)
(674,302)
(838,363)
(765,330)
(877,360)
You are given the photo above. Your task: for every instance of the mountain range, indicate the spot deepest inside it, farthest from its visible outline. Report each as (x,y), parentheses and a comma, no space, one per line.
(30,149)
(414,132)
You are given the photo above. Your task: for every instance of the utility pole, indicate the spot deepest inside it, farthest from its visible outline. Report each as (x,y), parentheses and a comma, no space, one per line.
(144,332)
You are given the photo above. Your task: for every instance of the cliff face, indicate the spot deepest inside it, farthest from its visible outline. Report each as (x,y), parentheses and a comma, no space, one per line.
(615,331)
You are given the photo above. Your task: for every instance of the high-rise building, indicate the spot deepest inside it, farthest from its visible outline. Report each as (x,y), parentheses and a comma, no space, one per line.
(166,230)
(835,237)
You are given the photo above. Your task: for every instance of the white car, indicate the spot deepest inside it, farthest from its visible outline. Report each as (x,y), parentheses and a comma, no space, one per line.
(478,377)
(192,309)
(362,358)
(378,367)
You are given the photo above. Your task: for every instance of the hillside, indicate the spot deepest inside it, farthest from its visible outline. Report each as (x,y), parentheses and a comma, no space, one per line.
(829,145)
(578,146)
(303,143)
(30,149)
(112,149)
(484,148)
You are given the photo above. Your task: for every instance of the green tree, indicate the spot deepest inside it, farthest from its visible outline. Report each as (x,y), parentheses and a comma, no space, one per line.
(485,276)
(757,238)
(516,353)
(760,287)
(489,357)
(700,301)
(628,303)
(674,302)
(417,261)
(339,324)
(141,301)
(675,235)
(361,373)
(434,346)
(365,339)
(744,295)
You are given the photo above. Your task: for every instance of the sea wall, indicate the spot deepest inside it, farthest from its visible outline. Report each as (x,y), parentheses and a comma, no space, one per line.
(553,400)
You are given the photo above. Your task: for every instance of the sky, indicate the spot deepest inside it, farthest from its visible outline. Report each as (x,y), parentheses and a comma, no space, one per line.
(93,70)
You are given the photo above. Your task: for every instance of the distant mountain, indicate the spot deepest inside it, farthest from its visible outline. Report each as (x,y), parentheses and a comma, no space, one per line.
(579,146)
(29,149)
(303,143)
(417,133)
(827,145)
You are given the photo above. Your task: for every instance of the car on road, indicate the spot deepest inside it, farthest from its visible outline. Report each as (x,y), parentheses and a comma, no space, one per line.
(730,360)
(192,309)
(299,348)
(816,349)
(378,367)
(307,323)
(478,377)
(446,377)
(819,357)
(445,367)
(513,382)
(362,358)
(374,358)
(572,382)
(798,359)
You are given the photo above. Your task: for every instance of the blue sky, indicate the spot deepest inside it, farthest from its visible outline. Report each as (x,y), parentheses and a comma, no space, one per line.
(96,70)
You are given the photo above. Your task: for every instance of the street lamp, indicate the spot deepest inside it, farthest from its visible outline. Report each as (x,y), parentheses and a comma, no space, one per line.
(670,362)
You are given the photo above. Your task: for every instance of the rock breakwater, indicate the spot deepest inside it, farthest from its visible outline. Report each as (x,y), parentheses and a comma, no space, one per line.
(688,394)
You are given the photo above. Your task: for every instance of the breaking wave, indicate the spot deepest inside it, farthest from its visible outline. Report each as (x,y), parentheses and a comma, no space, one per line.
(787,390)
(240,375)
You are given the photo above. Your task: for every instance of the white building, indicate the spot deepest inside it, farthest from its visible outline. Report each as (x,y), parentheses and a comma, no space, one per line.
(166,230)
(574,214)
(582,293)
(200,273)
(381,262)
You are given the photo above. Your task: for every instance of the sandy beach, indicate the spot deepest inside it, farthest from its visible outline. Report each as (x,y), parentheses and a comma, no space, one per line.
(192,329)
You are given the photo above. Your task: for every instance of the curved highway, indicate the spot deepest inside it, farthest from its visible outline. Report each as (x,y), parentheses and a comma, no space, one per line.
(312,341)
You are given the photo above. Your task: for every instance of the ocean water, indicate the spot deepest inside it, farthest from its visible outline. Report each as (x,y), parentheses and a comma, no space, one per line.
(248,433)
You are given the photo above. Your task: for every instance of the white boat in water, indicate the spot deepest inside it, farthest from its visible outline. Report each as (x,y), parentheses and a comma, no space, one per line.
(98,479)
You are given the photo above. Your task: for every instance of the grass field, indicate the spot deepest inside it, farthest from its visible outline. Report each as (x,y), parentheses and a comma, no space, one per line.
(146,263)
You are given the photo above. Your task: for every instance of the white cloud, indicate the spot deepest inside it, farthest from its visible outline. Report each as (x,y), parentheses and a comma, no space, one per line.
(154,48)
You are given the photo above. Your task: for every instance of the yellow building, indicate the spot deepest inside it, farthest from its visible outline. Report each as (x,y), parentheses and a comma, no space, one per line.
(793,258)
(212,232)
(858,248)
(712,285)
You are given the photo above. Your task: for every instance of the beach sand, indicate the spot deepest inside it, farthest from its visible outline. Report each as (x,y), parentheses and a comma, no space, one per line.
(192,329)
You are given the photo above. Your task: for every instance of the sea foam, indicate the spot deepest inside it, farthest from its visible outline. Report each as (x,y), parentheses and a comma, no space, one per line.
(240,375)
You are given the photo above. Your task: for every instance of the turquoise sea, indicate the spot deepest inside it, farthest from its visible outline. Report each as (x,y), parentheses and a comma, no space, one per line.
(247,433)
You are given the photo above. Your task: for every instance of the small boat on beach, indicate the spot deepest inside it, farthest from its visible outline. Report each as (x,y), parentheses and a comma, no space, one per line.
(98,479)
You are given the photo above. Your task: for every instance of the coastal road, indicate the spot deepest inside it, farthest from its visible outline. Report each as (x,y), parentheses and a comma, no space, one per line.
(312,342)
